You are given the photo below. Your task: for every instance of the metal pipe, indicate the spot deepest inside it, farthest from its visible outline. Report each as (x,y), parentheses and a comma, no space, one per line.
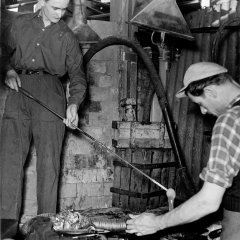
(100,144)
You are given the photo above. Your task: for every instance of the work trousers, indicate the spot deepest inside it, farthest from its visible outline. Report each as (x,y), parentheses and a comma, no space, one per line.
(230,225)
(23,120)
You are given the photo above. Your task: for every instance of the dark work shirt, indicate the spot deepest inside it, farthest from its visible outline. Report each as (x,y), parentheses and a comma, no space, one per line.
(54,49)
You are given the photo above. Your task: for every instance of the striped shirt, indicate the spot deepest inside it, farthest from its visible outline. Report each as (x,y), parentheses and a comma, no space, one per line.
(224,159)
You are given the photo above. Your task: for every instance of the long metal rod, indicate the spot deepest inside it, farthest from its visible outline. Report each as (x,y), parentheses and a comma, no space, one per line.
(26,93)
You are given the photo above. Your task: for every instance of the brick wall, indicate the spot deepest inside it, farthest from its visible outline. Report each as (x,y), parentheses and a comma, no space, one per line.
(86,175)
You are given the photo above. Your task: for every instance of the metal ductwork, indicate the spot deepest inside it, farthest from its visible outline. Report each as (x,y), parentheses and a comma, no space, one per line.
(78,23)
(161,16)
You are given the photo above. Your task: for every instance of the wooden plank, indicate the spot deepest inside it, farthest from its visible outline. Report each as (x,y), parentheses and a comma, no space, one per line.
(205,55)
(165,176)
(157,158)
(139,183)
(131,58)
(225,42)
(124,66)
(208,121)
(133,80)
(183,113)
(139,135)
(172,173)
(176,108)
(145,185)
(117,181)
(122,82)
(193,109)
(135,183)
(142,89)
(137,194)
(125,180)
(116,10)
(232,45)
(171,88)
(121,12)
(146,166)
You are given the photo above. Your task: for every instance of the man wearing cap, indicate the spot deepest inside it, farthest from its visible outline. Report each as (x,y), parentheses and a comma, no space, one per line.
(213,89)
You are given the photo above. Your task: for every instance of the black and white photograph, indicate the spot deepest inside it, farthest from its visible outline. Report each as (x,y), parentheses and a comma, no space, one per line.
(120,120)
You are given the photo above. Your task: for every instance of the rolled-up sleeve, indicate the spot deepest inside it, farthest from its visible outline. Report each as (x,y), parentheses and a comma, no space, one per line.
(224,159)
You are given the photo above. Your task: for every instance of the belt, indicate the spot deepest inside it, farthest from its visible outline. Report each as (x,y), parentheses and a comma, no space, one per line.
(30,72)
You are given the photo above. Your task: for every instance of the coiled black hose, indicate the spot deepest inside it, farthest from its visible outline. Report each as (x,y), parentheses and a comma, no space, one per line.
(160,92)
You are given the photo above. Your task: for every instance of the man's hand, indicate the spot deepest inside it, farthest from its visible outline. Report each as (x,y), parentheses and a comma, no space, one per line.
(143,224)
(12,80)
(206,201)
(71,120)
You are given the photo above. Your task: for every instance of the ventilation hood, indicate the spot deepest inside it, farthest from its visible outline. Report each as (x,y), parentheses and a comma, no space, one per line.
(161,16)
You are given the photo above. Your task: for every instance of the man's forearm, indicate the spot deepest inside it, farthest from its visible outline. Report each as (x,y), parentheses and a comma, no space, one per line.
(7,65)
(206,201)
(77,88)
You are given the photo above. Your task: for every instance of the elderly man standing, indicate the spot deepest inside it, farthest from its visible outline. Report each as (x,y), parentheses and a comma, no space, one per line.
(213,89)
(41,48)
